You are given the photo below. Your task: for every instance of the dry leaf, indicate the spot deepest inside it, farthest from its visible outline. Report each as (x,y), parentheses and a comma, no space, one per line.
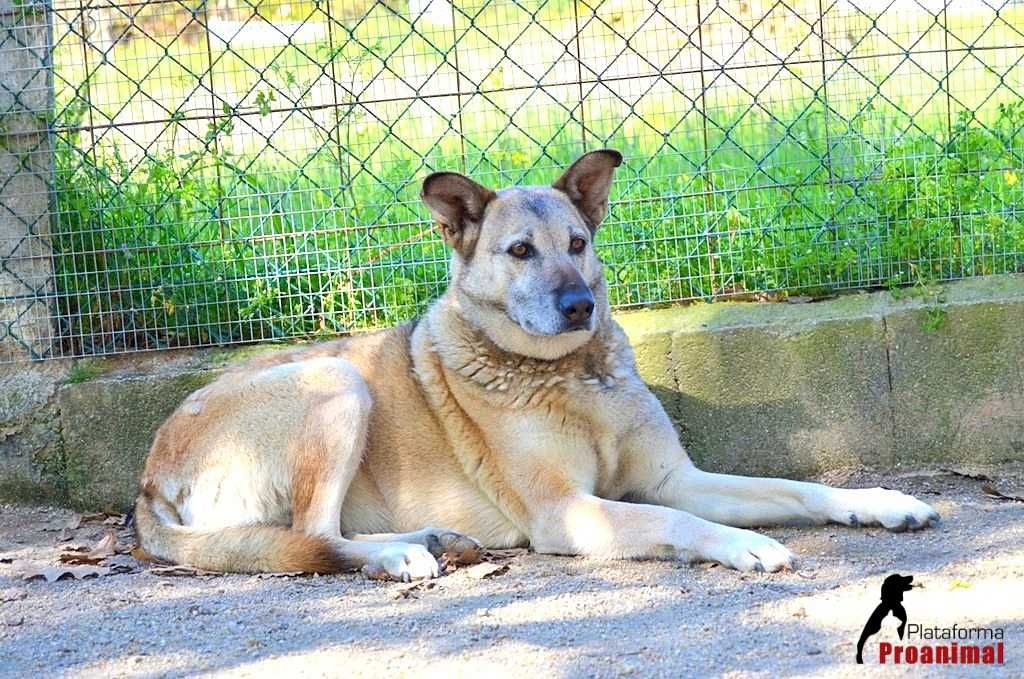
(65,535)
(103,549)
(180,571)
(122,563)
(411,592)
(991,490)
(106,518)
(55,573)
(503,554)
(125,543)
(486,570)
(967,475)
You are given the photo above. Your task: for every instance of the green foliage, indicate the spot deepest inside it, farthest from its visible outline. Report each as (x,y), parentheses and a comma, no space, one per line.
(84,371)
(143,259)
(205,240)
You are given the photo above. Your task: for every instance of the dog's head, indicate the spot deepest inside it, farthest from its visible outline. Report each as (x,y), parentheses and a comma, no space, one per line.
(524,269)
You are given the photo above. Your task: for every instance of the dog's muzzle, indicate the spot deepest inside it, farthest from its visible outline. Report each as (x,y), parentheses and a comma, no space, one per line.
(576,304)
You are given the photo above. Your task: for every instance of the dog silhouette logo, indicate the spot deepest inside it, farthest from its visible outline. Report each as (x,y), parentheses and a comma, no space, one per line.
(892,602)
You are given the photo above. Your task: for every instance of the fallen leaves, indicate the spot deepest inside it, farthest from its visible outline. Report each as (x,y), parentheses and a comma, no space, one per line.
(55,573)
(966,474)
(282,574)
(412,591)
(180,572)
(105,548)
(992,491)
(108,556)
(106,518)
(487,569)
(504,554)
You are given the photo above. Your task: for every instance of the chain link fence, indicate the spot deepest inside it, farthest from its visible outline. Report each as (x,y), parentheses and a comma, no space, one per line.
(203,172)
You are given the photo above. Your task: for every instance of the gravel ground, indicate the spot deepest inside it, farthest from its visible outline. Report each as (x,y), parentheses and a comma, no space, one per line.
(545,616)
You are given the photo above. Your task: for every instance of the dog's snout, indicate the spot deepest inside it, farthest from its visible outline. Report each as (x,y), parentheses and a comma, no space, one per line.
(576,303)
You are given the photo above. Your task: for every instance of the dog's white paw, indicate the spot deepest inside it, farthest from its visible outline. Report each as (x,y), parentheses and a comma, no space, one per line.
(401,561)
(882,507)
(748,551)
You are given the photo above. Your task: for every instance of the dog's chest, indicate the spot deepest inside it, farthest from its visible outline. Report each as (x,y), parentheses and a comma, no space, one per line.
(568,422)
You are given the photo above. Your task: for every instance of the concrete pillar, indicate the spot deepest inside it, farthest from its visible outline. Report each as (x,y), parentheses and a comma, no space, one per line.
(26,165)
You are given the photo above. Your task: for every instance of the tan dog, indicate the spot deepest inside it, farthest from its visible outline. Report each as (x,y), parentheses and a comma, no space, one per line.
(511,411)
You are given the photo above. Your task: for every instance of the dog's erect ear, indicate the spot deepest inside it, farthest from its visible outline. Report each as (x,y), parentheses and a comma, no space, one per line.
(587,183)
(457,203)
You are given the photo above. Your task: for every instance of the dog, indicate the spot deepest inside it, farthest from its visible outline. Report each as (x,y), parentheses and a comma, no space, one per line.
(511,411)
(893,589)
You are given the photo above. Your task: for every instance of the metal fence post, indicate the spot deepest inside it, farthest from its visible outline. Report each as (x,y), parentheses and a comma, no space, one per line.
(26,166)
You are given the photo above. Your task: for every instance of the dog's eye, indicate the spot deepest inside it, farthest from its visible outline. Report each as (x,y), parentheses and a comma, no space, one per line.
(577,245)
(521,250)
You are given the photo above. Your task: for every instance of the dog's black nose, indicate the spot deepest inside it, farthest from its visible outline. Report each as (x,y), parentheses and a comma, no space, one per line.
(576,304)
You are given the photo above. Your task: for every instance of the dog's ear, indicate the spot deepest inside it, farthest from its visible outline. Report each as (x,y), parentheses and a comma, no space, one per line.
(457,204)
(588,181)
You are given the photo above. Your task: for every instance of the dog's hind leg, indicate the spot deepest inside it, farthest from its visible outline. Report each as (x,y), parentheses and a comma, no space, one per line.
(325,458)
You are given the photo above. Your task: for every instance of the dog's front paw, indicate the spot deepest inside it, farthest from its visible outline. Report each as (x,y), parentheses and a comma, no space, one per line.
(891,509)
(748,551)
(401,561)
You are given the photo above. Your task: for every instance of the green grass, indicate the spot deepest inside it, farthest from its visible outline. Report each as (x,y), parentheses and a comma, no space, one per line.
(85,371)
(213,237)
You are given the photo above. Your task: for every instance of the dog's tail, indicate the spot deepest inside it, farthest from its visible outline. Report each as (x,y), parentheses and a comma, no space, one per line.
(237,549)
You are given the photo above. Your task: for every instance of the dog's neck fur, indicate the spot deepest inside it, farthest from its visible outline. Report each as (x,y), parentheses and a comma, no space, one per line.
(523,380)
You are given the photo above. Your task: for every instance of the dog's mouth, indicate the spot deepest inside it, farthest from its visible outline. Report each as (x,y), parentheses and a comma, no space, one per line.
(531,328)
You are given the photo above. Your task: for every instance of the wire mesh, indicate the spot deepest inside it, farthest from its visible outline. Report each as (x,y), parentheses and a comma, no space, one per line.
(204,172)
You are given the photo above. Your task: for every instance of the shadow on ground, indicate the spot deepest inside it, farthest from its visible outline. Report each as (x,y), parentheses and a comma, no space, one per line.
(547,615)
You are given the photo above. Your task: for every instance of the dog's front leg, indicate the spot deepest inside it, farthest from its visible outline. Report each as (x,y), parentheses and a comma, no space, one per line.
(749,501)
(663,474)
(587,525)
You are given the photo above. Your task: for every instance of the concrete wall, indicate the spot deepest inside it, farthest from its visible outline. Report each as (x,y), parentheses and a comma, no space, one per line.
(31,453)
(863,380)
(26,164)
(780,389)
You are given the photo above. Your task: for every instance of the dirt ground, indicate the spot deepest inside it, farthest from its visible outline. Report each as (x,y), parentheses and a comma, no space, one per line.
(544,616)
